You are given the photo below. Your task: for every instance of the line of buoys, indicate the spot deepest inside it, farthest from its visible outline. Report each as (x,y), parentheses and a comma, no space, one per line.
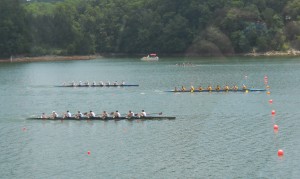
(280,152)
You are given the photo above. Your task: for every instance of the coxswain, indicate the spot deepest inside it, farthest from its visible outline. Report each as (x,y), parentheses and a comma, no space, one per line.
(117,114)
(130,114)
(54,115)
(218,88)
(244,87)
(104,115)
(200,88)
(192,89)
(79,115)
(143,114)
(91,114)
(43,116)
(182,88)
(226,88)
(209,88)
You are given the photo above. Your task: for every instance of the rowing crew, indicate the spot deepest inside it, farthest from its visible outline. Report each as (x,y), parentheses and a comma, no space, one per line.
(210,88)
(101,83)
(91,114)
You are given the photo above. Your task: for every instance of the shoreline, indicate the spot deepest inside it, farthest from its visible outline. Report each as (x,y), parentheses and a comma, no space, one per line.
(288,53)
(49,58)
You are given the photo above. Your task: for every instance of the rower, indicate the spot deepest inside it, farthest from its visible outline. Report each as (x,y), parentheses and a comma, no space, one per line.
(115,83)
(182,88)
(209,88)
(80,83)
(94,83)
(123,82)
(79,115)
(226,88)
(200,88)
(244,87)
(67,115)
(108,83)
(143,114)
(218,88)
(43,116)
(117,114)
(54,115)
(87,83)
(73,83)
(192,89)
(130,114)
(104,115)
(91,114)
(235,87)
(101,83)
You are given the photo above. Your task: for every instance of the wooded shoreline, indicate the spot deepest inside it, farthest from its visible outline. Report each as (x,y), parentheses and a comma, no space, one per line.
(288,53)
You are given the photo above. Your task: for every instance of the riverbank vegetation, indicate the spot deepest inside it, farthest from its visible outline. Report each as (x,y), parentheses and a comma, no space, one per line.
(211,27)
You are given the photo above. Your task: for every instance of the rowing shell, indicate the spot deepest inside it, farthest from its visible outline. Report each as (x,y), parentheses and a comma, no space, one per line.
(97,85)
(240,90)
(107,118)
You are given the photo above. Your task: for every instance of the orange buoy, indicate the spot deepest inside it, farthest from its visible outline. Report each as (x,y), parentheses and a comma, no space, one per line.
(89,152)
(275,127)
(280,153)
(273,112)
(270,101)
(268,92)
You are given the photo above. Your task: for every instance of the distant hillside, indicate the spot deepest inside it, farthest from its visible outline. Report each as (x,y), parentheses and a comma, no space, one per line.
(211,27)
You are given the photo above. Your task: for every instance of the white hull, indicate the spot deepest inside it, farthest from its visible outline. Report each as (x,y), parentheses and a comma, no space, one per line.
(149,59)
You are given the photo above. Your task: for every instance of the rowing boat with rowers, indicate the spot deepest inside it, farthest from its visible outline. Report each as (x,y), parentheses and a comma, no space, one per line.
(105,85)
(107,118)
(221,90)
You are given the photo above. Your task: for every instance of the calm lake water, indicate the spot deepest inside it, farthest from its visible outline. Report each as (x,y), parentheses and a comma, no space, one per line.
(215,135)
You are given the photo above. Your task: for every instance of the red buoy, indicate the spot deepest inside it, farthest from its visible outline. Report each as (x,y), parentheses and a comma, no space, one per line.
(89,152)
(275,127)
(273,112)
(280,153)
(270,101)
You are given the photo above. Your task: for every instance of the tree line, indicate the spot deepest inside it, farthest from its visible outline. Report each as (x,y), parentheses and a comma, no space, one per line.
(199,27)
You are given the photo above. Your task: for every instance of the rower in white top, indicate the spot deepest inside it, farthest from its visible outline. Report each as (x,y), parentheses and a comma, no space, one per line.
(101,83)
(80,83)
(117,114)
(115,83)
(54,115)
(143,114)
(91,114)
(123,82)
(94,83)
(108,83)
(130,114)
(67,115)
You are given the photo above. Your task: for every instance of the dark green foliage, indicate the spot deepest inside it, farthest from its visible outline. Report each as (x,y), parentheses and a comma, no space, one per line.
(201,27)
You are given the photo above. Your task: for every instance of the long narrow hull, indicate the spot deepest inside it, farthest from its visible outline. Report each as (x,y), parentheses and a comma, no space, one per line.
(97,85)
(108,118)
(150,59)
(197,91)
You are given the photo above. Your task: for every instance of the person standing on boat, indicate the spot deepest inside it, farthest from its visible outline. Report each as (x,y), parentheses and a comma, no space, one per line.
(130,114)
(117,114)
